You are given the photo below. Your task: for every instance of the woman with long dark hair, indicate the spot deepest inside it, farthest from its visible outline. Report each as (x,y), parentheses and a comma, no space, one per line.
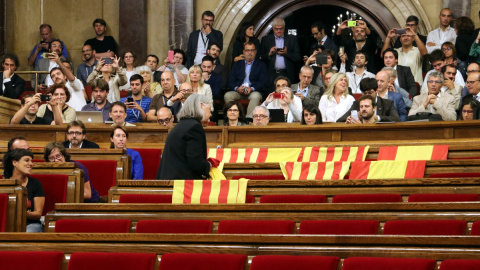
(234,114)
(245,34)
(311,115)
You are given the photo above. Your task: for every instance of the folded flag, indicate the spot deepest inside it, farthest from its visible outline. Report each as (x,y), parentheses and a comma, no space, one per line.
(322,154)
(209,191)
(314,170)
(388,169)
(421,152)
(253,155)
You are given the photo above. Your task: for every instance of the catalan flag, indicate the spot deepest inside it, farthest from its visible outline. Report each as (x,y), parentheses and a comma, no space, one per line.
(421,152)
(209,191)
(388,169)
(254,155)
(322,154)
(314,170)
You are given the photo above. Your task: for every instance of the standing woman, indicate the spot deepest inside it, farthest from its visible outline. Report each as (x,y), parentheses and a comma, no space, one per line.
(336,101)
(234,114)
(111,73)
(129,64)
(185,152)
(245,34)
(118,139)
(464,27)
(60,96)
(18,164)
(195,78)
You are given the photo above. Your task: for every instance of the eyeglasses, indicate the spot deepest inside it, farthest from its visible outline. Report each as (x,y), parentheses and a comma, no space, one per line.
(186,90)
(467,111)
(259,116)
(164,121)
(446,49)
(435,82)
(232,110)
(54,158)
(473,71)
(76,133)
(471,82)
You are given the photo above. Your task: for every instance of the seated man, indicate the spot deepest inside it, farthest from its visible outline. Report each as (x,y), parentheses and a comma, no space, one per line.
(392,86)
(221,70)
(11,85)
(366,115)
(449,72)
(434,101)
(261,116)
(307,92)
(118,113)
(165,117)
(185,91)
(383,79)
(47,64)
(359,70)
(167,98)
(28,112)
(152,62)
(76,136)
(437,58)
(99,103)
(247,79)
(404,74)
(384,109)
(137,104)
(84,69)
(211,78)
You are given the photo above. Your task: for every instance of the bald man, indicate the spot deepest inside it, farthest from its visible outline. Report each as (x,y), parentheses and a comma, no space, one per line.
(165,117)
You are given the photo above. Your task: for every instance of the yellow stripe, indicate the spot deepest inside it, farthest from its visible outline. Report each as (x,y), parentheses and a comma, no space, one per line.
(297,170)
(387,169)
(307,154)
(178,188)
(242,190)
(337,154)
(353,154)
(312,170)
(212,153)
(241,155)
(254,156)
(328,170)
(284,170)
(197,191)
(365,152)
(213,198)
(283,154)
(322,155)
(226,154)
(423,152)
(345,169)
(232,191)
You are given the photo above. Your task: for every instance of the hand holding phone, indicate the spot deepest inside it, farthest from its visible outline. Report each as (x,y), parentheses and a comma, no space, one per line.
(107,61)
(354,114)
(400,31)
(278,95)
(170,56)
(45,97)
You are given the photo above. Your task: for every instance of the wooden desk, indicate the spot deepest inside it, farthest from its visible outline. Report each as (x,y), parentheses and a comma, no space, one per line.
(17,205)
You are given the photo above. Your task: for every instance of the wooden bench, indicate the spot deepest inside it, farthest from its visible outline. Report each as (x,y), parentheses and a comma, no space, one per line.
(17,203)
(330,188)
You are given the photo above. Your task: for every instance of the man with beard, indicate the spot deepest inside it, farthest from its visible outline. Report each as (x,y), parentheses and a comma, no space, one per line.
(214,52)
(443,33)
(211,78)
(168,97)
(137,104)
(360,72)
(47,64)
(28,112)
(366,115)
(449,72)
(84,69)
(11,85)
(104,46)
(321,38)
(76,136)
(99,103)
(152,63)
(199,40)
(361,40)
(38,52)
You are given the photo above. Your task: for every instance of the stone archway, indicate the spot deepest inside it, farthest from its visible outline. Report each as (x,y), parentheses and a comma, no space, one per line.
(381,14)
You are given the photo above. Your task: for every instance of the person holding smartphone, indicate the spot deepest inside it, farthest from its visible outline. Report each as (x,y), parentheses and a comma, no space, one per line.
(111,72)
(137,104)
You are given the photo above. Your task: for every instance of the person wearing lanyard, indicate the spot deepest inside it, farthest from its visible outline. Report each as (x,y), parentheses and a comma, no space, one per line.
(84,69)
(137,103)
(358,73)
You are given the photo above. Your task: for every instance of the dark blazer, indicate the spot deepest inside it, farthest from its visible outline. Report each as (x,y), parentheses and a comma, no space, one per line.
(214,37)
(85,144)
(328,44)
(257,77)
(351,48)
(406,80)
(185,153)
(385,110)
(399,105)
(313,95)
(293,55)
(14,88)
(463,43)
(238,48)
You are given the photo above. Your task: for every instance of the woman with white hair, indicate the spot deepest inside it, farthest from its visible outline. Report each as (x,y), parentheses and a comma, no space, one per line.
(336,101)
(198,85)
(149,87)
(185,151)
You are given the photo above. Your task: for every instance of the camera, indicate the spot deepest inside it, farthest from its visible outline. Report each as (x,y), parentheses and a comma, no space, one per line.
(400,31)
(278,95)
(45,97)
(321,58)
(107,61)
(351,23)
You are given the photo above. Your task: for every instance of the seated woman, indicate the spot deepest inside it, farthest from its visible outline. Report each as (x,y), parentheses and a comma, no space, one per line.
(18,164)
(177,67)
(336,101)
(291,104)
(470,107)
(118,139)
(311,115)
(233,114)
(113,74)
(56,152)
(60,94)
(129,63)
(195,78)
(149,87)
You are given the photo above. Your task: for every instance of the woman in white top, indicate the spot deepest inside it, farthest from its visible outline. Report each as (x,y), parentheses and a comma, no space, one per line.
(177,67)
(195,78)
(149,87)
(336,101)
(129,63)
(291,104)
(113,74)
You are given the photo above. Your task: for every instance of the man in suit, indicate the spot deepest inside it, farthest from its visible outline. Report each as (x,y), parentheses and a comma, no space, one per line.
(307,92)
(434,101)
(76,136)
(404,74)
(384,110)
(247,79)
(280,52)
(383,79)
(318,32)
(12,86)
(199,39)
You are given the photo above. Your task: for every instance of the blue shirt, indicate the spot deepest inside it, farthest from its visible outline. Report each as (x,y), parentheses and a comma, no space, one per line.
(84,70)
(304,92)
(95,196)
(41,53)
(280,61)
(134,115)
(137,165)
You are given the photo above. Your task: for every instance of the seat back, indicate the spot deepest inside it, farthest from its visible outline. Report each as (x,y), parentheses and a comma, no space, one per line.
(3,211)
(150,160)
(425,227)
(445,197)
(366,198)
(460,264)
(103,174)
(256,226)
(339,227)
(475,228)
(453,175)
(293,198)
(39,260)
(376,263)
(260,177)
(174,226)
(145,198)
(113,260)
(55,188)
(202,261)
(286,262)
(92,226)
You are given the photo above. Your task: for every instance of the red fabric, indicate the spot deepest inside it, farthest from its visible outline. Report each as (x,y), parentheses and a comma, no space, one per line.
(454,197)
(202,261)
(114,260)
(475,228)
(55,188)
(425,227)
(293,199)
(38,260)
(3,211)
(215,162)
(286,262)
(366,198)
(260,177)
(460,265)
(103,174)
(145,198)
(92,226)
(376,263)
(256,226)
(174,226)
(249,199)
(453,175)
(339,227)
(150,160)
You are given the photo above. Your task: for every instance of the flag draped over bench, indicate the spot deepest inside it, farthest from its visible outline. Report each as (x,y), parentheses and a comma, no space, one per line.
(321,154)
(209,191)
(388,169)
(314,170)
(422,152)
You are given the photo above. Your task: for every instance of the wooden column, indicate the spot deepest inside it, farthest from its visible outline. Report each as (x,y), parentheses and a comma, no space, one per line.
(133,27)
(3,30)
(181,23)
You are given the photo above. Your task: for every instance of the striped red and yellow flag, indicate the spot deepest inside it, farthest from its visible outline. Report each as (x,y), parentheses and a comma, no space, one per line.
(388,169)
(209,191)
(421,152)
(254,155)
(314,170)
(322,154)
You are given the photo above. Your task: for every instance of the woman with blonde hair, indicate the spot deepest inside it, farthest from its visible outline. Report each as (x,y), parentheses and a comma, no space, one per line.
(336,101)
(195,78)
(149,87)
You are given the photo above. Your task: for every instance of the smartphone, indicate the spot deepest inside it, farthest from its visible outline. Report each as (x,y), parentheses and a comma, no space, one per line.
(278,95)
(280,49)
(170,56)
(341,50)
(354,114)
(47,55)
(400,31)
(107,61)
(351,23)
(45,97)
(185,96)
(130,100)
(321,58)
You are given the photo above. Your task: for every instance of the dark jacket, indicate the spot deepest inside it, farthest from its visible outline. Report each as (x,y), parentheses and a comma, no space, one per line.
(351,48)
(14,88)
(385,110)
(257,77)
(406,80)
(214,37)
(328,44)
(85,144)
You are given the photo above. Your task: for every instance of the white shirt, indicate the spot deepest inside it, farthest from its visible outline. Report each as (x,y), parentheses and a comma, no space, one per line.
(5,81)
(458,80)
(48,80)
(354,80)
(201,48)
(412,59)
(77,99)
(438,37)
(331,110)
(294,109)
